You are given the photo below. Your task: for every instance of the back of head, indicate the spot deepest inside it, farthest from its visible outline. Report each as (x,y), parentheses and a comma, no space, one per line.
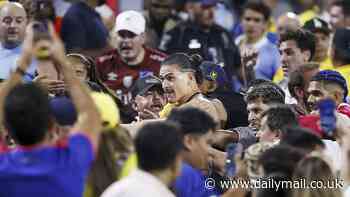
(302,139)
(340,44)
(280,159)
(314,169)
(260,7)
(273,191)
(157,145)
(305,40)
(27,114)
(269,93)
(192,120)
(297,78)
(280,117)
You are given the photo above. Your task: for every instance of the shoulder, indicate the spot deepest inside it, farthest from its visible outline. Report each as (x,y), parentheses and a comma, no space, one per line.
(188,175)
(106,56)
(155,55)
(204,104)
(219,29)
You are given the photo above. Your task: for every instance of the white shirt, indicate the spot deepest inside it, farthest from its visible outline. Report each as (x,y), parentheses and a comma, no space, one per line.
(138,184)
(333,151)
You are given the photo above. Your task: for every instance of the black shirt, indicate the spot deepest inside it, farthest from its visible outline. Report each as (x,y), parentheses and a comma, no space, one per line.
(216,44)
(236,107)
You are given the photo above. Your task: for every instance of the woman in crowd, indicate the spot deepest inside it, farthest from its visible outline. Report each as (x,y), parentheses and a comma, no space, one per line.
(115,157)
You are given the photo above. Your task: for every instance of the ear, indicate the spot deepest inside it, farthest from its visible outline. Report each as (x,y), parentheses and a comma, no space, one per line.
(188,142)
(338,96)
(299,92)
(307,55)
(278,134)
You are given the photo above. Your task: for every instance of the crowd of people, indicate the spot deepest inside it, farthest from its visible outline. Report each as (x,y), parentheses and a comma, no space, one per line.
(100,102)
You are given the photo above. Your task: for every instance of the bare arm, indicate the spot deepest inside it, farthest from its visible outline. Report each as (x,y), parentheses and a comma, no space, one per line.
(16,77)
(89,120)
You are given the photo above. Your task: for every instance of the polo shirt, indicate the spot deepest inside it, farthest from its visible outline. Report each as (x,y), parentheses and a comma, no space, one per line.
(8,62)
(47,171)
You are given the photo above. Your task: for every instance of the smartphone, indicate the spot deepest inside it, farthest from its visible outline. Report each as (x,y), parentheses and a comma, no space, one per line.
(230,166)
(326,108)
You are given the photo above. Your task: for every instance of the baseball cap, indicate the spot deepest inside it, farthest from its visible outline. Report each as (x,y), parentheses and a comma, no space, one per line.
(132,21)
(63,111)
(108,109)
(142,85)
(317,24)
(213,72)
(333,76)
(341,41)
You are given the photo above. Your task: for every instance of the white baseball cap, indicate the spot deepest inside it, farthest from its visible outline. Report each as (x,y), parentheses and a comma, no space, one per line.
(132,21)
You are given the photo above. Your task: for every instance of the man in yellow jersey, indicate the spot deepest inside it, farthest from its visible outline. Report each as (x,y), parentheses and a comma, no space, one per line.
(340,52)
(322,31)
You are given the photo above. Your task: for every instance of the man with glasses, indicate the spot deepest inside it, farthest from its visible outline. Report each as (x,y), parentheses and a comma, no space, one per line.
(130,60)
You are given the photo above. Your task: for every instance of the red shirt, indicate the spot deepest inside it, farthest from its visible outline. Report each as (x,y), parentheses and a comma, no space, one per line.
(120,76)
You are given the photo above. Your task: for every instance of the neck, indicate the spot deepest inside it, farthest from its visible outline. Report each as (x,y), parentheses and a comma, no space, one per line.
(301,104)
(320,58)
(45,142)
(164,176)
(187,98)
(138,59)
(253,40)
(91,3)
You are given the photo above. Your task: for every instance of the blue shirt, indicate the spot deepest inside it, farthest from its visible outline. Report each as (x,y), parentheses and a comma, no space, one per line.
(8,63)
(82,28)
(47,171)
(191,183)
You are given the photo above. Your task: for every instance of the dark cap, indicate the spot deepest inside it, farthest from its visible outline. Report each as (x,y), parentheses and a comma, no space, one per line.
(332,76)
(317,25)
(341,42)
(142,85)
(63,111)
(213,72)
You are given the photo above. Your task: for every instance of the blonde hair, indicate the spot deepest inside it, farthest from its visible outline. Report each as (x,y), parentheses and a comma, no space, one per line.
(313,169)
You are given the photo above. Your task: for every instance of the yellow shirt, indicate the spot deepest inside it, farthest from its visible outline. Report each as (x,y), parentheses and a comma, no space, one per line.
(278,75)
(308,15)
(326,64)
(345,71)
(271,25)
